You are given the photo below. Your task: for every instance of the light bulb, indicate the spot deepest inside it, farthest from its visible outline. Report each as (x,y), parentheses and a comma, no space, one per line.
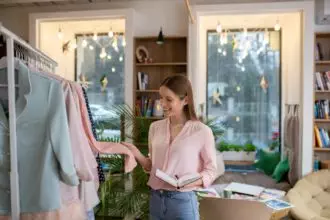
(110,34)
(103,54)
(243,69)
(238,88)
(277,26)
(224,53)
(238,119)
(121,59)
(95,37)
(245,32)
(124,42)
(115,43)
(91,47)
(60,34)
(266,37)
(219,28)
(73,45)
(113,69)
(225,38)
(84,43)
(240,60)
(109,57)
(219,50)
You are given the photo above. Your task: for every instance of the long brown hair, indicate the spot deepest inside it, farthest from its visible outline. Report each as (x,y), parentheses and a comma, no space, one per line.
(181,86)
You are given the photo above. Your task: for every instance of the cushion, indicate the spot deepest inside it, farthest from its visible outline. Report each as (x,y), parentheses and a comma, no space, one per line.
(267,161)
(281,169)
(310,197)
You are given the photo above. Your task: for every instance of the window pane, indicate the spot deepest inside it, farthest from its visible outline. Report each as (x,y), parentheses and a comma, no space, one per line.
(100,64)
(243,86)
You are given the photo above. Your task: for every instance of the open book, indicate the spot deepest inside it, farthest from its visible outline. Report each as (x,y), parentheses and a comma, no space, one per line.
(178,183)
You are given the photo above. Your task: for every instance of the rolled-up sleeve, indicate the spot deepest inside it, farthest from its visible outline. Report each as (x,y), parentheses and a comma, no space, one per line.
(208,155)
(59,135)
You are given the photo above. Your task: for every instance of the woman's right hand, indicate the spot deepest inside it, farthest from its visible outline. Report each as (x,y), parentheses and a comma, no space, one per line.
(144,161)
(130,146)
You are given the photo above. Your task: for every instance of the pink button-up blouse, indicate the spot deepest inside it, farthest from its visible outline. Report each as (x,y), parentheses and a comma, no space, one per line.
(191,151)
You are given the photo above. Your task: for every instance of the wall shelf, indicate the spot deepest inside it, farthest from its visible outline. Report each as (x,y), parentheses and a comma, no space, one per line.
(168,59)
(322,48)
(322,120)
(321,149)
(322,62)
(322,91)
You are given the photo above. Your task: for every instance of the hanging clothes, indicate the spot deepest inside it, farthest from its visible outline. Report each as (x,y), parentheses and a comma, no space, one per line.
(292,142)
(43,158)
(98,160)
(73,201)
(103,147)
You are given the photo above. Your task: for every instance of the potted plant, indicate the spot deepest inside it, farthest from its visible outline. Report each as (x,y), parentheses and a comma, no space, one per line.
(235,152)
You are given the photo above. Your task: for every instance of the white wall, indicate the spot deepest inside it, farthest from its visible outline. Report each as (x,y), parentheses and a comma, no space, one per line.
(149,16)
(52,46)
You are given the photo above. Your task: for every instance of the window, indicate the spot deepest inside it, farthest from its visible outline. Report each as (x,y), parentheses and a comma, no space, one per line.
(100,67)
(244,85)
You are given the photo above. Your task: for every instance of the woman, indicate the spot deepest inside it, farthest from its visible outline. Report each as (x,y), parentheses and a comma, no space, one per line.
(178,145)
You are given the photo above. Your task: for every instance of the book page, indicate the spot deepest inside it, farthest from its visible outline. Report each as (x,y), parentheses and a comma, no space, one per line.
(187,179)
(165,177)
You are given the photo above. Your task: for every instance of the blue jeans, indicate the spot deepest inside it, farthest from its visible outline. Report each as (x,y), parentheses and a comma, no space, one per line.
(173,205)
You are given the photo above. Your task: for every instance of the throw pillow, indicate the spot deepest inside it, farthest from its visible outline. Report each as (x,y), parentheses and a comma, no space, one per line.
(267,161)
(281,169)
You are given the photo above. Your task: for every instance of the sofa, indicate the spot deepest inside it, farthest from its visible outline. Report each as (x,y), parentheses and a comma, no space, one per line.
(311,197)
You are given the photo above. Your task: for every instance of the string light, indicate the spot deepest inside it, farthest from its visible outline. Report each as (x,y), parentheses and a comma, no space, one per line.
(103,54)
(91,47)
(95,36)
(245,32)
(113,69)
(277,26)
(84,43)
(109,57)
(219,27)
(110,34)
(121,59)
(60,34)
(266,38)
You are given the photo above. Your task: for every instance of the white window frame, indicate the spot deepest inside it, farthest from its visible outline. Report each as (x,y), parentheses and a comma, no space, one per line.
(128,14)
(197,67)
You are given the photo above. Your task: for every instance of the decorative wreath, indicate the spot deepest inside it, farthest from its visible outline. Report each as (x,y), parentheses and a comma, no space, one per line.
(142,54)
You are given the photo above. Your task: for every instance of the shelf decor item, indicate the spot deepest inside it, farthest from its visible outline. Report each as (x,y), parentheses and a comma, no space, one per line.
(142,54)
(158,110)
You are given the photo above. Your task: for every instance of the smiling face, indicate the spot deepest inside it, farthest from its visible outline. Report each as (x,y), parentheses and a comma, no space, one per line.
(171,103)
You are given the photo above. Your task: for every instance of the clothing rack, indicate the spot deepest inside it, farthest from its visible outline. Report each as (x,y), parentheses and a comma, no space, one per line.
(27,53)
